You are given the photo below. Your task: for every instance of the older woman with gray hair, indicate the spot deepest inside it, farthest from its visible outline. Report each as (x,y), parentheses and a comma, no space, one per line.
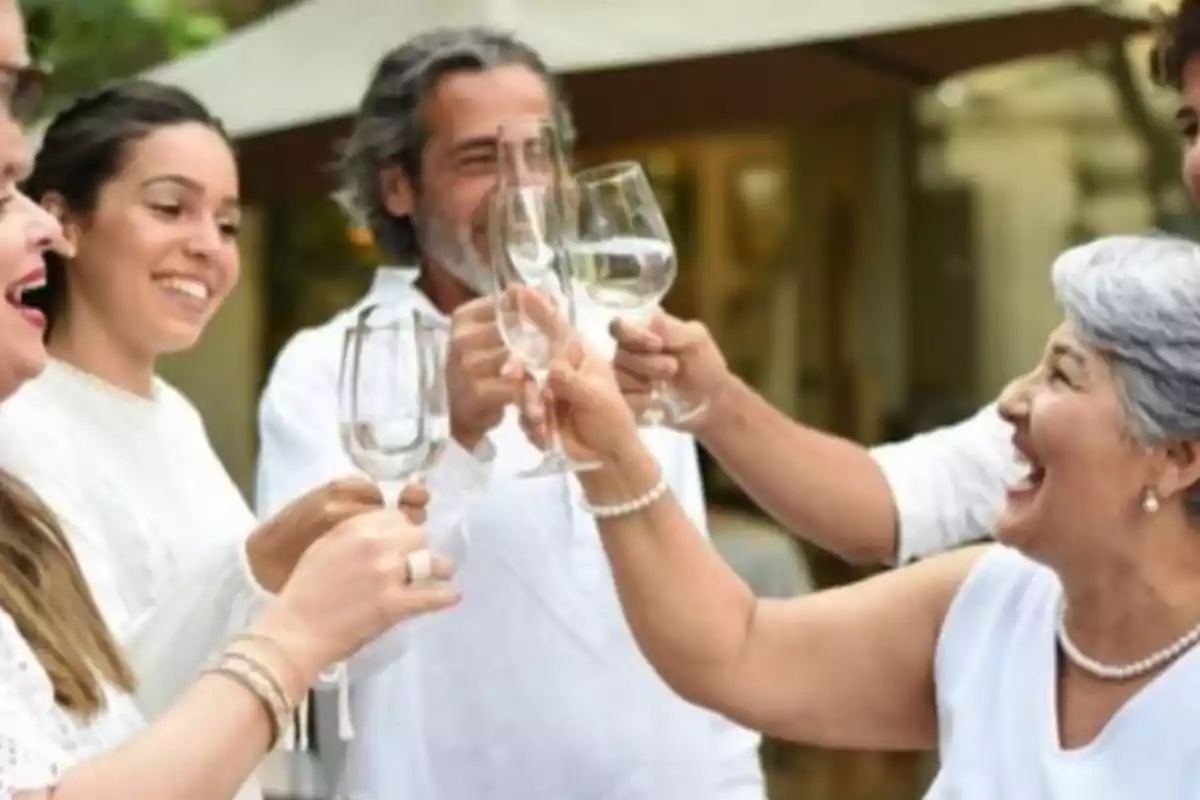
(1057,664)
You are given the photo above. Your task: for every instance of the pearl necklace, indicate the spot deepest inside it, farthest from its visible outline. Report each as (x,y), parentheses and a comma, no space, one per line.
(1123,672)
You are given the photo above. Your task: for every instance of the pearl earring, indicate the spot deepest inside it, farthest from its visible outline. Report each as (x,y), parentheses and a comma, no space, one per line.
(1150,502)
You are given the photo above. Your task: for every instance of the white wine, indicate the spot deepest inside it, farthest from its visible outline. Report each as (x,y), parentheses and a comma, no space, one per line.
(625,274)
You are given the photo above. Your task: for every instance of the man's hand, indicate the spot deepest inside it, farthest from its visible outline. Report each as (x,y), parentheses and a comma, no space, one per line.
(482,377)
(678,354)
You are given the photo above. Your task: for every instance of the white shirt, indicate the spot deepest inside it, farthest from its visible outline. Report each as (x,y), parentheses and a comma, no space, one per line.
(948,484)
(155,521)
(533,687)
(39,741)
(997,675)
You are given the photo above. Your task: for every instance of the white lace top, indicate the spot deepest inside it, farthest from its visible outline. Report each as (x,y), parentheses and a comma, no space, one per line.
(39,741)
(155,521)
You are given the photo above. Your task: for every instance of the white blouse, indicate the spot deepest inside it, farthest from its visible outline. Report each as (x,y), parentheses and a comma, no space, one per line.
(154,519)
(39,741)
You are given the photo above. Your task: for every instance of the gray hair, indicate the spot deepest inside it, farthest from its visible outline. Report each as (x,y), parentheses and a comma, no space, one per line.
(1136,299)
(389,129)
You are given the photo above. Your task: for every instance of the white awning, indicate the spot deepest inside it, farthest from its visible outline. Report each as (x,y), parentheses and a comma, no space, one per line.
(311,61)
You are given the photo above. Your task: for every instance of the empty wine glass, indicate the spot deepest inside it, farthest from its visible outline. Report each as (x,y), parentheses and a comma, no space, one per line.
(622,255)
(526,234)
(387,397)
(535,303)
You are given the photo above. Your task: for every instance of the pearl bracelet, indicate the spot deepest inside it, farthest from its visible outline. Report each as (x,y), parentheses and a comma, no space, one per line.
(648,499)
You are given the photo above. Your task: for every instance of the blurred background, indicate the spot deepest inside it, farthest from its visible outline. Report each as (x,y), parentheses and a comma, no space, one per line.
(866,197)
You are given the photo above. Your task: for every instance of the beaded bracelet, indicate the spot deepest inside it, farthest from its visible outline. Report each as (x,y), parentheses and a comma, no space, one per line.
(256,677)
(657,492)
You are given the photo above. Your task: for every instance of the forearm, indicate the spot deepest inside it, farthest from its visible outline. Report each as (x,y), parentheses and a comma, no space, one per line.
(689,612)
(206,745)
(822,488)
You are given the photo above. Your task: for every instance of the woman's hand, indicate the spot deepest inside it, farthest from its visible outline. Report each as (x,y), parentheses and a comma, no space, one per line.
(595,422)
(581,396)
(277,544)
(352,585)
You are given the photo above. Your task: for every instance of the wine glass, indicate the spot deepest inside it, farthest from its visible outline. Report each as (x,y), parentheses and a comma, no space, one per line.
(535,303)
(387,388)
(623,257)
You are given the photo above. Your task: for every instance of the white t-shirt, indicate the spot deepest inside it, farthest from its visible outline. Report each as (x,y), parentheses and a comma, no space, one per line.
(948,484)
(997,675)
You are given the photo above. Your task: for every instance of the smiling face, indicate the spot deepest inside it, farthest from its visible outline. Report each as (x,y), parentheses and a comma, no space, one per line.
(158,254)
(1087,475)
(463,116)
(26,232)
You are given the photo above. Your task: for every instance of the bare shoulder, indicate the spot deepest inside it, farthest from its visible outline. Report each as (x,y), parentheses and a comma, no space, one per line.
(860,658)
(923,587)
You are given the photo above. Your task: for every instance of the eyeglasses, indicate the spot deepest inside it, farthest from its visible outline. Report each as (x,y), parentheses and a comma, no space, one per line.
(21,90)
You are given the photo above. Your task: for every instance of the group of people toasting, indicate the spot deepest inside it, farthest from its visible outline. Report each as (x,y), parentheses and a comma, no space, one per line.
(579,636)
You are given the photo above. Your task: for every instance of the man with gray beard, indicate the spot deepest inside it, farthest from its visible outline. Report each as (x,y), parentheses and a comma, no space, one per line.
(533,688)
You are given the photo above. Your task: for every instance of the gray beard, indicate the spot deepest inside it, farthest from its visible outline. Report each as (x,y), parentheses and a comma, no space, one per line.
(454,252)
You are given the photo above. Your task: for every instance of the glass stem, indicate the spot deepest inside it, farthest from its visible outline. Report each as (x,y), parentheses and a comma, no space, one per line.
(391,491)
(554,442)
(658,406)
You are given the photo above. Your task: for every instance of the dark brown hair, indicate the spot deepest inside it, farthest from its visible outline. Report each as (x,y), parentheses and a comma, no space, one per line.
(43,589)
(1178,40)
(86,146)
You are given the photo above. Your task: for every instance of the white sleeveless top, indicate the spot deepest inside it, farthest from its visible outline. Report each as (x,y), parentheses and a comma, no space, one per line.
(996,673)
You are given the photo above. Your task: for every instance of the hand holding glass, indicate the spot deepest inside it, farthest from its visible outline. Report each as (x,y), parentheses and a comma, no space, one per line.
(623,257)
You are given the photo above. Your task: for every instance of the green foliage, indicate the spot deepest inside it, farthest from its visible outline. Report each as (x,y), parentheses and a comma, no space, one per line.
(90,42)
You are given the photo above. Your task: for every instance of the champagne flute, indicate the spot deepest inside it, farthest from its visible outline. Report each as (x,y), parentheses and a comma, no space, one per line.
(623,257)
(385,391)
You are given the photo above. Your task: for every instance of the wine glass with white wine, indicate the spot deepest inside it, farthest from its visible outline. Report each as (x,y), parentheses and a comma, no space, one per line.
(623,257)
